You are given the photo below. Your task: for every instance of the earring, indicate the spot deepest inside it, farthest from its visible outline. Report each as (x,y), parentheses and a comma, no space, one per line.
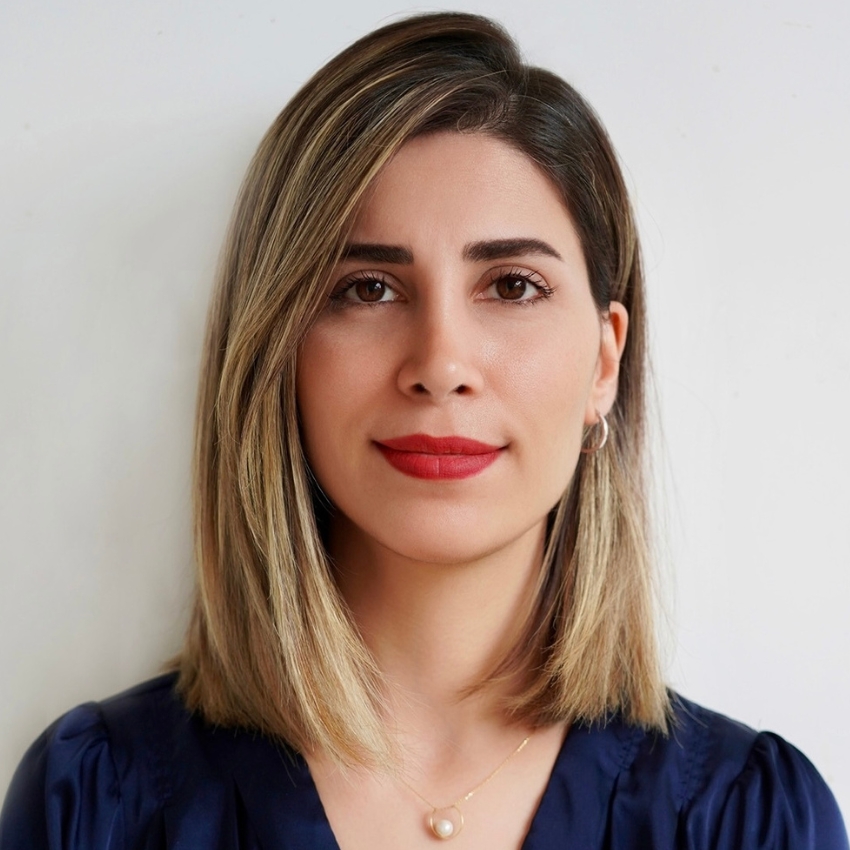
(603,422)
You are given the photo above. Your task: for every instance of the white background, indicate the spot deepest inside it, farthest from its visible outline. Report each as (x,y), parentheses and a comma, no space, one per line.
(124,132)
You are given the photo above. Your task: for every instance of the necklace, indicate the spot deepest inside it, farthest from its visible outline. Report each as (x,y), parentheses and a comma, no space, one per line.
(447,821)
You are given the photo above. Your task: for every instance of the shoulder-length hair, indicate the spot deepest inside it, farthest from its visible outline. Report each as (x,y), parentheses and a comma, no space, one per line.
(271,645)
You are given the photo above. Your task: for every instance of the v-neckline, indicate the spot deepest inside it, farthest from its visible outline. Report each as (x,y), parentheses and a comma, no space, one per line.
(284,809)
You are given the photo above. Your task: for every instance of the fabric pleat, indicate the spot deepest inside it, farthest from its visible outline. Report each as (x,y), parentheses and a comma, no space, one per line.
(138,772)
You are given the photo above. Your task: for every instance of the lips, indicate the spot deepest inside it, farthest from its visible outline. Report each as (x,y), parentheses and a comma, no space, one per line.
(435,458)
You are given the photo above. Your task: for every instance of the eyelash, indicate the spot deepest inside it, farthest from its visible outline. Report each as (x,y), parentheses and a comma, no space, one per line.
(338,294)
(544,291)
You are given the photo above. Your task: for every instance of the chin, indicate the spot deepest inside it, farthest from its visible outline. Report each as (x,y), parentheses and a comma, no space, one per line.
(445,555)
(454,543)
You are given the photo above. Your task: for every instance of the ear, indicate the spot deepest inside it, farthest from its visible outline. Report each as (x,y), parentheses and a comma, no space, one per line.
(615,326)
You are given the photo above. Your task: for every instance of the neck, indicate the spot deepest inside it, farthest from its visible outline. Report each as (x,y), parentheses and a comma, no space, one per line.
(437,630)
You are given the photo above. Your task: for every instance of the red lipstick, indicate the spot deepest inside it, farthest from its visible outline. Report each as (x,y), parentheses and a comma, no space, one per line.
(434,458)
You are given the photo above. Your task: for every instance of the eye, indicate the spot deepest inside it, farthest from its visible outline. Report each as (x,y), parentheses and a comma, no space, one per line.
(516,286)
(364,288)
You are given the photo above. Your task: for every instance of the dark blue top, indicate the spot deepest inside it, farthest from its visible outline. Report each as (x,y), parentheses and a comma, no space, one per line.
(137,772)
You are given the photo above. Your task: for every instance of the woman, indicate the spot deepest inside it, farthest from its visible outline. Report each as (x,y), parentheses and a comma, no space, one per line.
(424,598)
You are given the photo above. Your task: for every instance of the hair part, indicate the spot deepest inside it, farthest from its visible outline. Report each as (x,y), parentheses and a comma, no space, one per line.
(271,644)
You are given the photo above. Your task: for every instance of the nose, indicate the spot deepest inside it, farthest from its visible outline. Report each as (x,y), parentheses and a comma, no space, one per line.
(443,354)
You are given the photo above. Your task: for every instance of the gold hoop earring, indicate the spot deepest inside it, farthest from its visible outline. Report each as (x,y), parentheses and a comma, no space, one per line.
(603,422)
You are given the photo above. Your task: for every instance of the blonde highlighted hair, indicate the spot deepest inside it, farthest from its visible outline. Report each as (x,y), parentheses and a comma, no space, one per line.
(271,645)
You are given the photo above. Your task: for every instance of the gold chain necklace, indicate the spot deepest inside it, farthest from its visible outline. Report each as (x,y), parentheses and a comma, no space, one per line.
(447,821)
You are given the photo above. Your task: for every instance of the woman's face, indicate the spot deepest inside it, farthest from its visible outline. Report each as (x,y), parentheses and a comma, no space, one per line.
(444,388)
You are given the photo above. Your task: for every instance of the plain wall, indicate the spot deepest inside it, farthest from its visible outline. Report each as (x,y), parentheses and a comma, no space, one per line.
(124,133)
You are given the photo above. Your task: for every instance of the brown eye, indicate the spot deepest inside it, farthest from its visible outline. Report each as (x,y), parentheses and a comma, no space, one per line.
(370,290)
(365,290)
(516,286)
(511,288)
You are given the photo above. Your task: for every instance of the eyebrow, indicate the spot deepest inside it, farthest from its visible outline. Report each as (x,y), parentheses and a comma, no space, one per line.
(499,249)
(483,251)
(376,253)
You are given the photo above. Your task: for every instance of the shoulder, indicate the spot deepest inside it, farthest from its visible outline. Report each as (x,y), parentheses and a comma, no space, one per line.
(92,765)
(718,783)
(140,771)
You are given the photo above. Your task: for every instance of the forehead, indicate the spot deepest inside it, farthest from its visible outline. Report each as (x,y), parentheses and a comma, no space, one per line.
(461,187)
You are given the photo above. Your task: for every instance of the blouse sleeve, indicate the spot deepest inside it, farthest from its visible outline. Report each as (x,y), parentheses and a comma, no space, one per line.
(777,802)
(64,794)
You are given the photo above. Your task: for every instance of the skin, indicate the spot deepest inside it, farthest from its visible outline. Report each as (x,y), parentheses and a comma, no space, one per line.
(445,340)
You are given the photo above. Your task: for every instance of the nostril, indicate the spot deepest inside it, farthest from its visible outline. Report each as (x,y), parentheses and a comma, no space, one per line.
(421,389)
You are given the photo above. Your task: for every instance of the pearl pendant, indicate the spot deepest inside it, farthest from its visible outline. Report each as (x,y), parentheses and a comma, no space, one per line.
(446,823)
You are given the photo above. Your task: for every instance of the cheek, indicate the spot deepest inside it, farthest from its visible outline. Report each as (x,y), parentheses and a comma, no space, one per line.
(557,422)
(551,374)
(318,371)
(550,393)
(335,380)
